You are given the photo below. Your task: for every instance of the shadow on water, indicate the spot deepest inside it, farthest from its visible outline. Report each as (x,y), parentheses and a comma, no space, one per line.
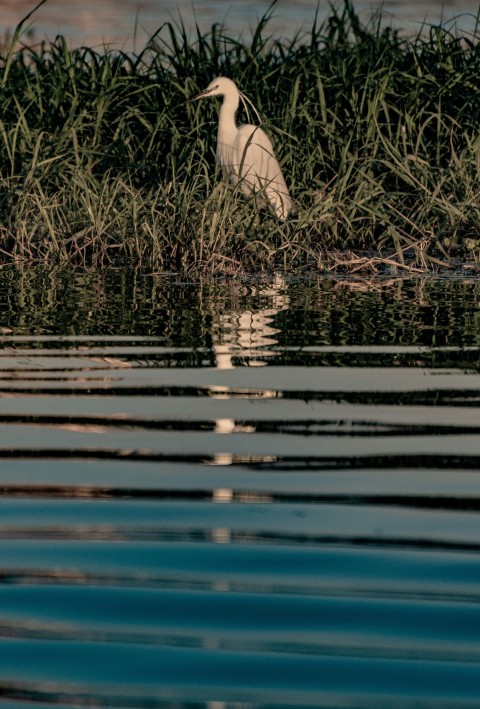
(248,493)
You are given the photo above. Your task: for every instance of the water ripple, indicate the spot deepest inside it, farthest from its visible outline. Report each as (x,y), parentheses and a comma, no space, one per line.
(209,527)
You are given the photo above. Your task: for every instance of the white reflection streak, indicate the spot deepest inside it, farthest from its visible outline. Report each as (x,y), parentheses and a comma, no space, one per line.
(83,428)
(222,494)
(221,536)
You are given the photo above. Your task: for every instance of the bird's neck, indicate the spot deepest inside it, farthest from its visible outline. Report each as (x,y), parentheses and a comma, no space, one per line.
(228,109)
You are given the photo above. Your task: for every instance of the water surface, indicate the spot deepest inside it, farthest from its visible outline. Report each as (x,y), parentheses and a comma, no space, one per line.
(255,493)
(129,23)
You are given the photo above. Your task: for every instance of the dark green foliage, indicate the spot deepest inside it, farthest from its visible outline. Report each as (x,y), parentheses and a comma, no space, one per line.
(102,156)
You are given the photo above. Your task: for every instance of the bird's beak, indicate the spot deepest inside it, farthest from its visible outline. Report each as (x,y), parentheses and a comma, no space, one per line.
(200,95)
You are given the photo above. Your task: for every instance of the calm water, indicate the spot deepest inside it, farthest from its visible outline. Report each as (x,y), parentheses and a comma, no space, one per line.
(118,22)
(241,494)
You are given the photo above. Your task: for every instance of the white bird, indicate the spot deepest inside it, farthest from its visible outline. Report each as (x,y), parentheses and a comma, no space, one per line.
(246,152)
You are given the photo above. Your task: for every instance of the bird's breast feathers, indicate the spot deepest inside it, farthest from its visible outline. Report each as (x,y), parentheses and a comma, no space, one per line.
(245,150)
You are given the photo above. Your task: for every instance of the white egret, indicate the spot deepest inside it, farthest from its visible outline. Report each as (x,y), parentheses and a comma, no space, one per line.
(245,152)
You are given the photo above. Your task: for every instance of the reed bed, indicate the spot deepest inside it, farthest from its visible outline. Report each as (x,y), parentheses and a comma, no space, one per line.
(103,158)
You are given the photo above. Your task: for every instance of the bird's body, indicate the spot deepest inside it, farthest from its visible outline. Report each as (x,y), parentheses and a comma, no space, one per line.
(246,152)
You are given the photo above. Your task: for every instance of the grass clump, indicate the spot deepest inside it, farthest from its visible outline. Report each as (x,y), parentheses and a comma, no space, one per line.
(103,158)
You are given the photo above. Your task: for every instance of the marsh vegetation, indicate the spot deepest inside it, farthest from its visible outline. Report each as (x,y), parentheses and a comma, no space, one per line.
(104,159)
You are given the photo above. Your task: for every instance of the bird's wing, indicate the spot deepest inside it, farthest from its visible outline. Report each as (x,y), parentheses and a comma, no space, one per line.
(259,169)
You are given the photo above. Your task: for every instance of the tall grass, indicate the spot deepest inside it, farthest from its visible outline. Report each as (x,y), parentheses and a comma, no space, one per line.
(103,158)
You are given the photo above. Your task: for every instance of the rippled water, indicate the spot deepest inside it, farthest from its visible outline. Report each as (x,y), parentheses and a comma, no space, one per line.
(239,494)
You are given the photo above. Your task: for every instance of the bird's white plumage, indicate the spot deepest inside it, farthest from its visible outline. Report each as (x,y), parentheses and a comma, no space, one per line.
(246,152)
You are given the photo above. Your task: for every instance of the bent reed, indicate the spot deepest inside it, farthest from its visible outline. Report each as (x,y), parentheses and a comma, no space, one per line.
(104,160)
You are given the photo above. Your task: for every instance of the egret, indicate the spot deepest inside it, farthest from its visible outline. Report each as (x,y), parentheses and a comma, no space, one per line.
(245,152)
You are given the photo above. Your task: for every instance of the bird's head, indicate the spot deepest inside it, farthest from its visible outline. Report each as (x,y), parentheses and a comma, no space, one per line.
(221,86)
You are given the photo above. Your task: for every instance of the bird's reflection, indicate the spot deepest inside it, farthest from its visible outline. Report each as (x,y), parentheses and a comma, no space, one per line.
(247,337)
